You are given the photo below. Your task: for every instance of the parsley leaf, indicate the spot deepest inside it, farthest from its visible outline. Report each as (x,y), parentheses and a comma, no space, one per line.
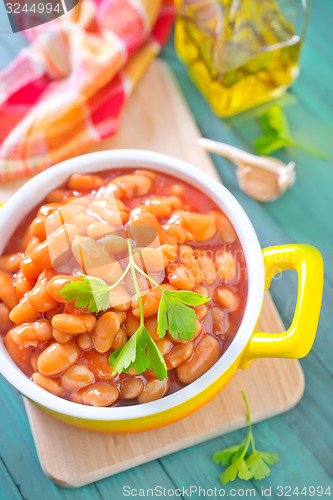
(89,290)
(238,468)
(241,463)
(257,463)
(141,353)
(175,315)
(225,457)
(275,124)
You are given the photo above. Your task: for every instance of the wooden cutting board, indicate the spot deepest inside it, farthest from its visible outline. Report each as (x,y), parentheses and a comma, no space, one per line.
(156,118)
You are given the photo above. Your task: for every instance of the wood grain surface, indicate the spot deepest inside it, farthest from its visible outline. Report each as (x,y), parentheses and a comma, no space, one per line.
(157,118)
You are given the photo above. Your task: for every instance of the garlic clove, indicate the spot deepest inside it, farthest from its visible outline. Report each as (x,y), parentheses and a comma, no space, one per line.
(265,185)
(261,177)
(257,183)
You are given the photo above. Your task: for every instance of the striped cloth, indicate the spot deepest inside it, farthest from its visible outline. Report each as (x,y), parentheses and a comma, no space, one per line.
(65,92)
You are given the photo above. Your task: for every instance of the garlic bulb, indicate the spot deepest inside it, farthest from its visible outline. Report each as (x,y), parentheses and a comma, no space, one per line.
(261,177)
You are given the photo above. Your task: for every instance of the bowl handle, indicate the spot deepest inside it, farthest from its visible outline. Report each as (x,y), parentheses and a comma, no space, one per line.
(297,341)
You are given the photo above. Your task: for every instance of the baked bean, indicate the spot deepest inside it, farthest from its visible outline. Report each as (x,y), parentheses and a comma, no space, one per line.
(176,340)
(84,341)
(82,221)
(32,334)
(180,277)
(226,298)
(226,265)
(121,315)
(33,242)
(177,190)
(177,232)
(224,227)
(76,377)
(164,345)
(10,262)
(129,186)
(200,311)
(5,323)
(150,301)
(205,355)
(106,208)
(151,325)
(53,222)
(19,353)
(100,395)
(85,182)
(120,299)
(98,229)
(22,285)
(29,269)
(131,388)
(23,312)
(201,226)
(162,206)
(105,331)
(178,355)
(98,363)
(154,389)
(39,297)
(186,257)
(58,195)
(7,290)
(169,253)
(57,357)
(146,219)
(143,283)
(95,260)
(151,259)
(120,339)
(207,266)
(57,283)
(37,228)
(61,337)
(114,244)
(201,290)
(199,328)
(74,323)
(48,209)
(220,320)
(132,323)
(47,383)
(55,248)
(147,173)
(76,397)
(68,212)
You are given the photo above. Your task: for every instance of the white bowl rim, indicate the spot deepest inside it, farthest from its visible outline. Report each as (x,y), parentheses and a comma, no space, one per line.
(33,192)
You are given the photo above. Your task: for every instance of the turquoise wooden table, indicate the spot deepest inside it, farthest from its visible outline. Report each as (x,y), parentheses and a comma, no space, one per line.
(303,437)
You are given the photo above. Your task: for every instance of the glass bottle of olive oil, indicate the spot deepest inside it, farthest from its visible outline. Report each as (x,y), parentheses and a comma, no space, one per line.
(241,53)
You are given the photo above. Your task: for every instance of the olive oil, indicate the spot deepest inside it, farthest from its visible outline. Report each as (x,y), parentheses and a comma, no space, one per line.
(240,53)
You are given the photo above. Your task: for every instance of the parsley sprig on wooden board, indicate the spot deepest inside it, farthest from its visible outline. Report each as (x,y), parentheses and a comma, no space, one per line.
(278,135)
(241,462)
(175,315)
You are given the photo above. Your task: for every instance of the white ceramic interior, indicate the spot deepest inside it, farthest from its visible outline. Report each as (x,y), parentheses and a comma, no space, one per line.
(35,190)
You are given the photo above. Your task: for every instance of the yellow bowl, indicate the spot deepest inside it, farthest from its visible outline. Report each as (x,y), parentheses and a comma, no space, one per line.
(246,346)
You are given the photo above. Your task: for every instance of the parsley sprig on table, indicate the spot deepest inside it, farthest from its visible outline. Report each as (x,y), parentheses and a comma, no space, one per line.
(175,315)
(241,462)
(278,135)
